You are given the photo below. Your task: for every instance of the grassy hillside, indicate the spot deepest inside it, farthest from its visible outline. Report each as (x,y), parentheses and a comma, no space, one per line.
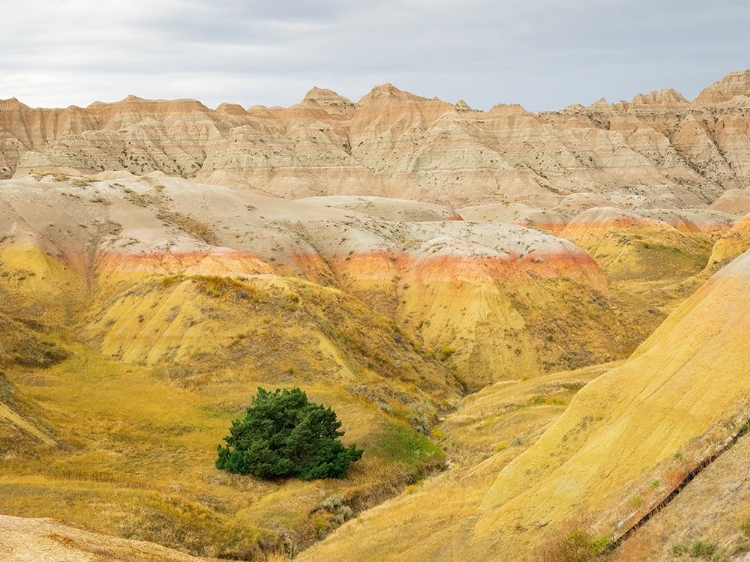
(436,519)
(627,440)
(140,316)
(131,453)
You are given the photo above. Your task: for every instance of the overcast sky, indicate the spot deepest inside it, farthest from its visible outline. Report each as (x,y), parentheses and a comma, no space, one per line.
(543,54)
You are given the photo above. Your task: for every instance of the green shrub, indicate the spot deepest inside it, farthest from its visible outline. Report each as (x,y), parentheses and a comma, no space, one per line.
(283,435)
(446,352)
(345,513)
(700,549)
(578,546)
(399,443)
(679,549)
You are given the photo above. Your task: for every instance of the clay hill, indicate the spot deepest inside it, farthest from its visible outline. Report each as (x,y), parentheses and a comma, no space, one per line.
(610,462)
(657,149)
(535,325)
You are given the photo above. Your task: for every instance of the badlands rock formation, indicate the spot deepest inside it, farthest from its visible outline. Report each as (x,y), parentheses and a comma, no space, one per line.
(158,305)
(627,440)
(480,295)
(658,149)
(436,274)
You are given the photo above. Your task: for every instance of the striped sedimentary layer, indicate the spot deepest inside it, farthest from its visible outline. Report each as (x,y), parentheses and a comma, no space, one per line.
(657,148)
(489,299)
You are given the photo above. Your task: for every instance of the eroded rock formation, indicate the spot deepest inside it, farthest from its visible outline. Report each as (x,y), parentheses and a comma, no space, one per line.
(658,149)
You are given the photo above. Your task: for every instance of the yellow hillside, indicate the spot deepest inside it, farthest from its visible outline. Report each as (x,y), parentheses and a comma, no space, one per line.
(626,440)
(680,396)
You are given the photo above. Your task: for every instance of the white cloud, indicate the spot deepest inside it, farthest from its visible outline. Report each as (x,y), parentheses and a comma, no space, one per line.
(543,54)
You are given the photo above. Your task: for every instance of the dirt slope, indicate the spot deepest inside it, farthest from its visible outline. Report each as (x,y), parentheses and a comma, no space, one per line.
(626,440)
(45,540)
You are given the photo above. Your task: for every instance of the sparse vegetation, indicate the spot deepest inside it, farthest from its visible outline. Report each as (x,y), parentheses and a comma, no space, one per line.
(192,226)
(679,549)
(398,443)
(335,505)
(698,549)
(701,549)
(214,286)
(138,199)
(57,176)
(742,545)
(578,546)
(446,352)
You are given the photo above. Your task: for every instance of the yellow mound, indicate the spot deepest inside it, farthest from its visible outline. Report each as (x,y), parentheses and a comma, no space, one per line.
(37,286)
(688,381)
(629,246)
(731,245)
(626,440)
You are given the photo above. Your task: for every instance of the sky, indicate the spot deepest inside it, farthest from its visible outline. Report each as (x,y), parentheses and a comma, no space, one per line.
(543,54)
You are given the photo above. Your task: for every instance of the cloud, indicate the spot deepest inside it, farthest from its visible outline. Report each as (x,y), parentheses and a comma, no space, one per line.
(543,54)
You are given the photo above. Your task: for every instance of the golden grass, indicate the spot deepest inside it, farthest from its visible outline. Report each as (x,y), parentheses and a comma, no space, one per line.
(434,520)
(135,459)
(192,226)
(608,459)
(137,431)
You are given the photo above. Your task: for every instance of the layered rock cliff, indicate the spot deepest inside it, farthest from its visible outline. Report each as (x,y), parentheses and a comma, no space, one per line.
(657,150)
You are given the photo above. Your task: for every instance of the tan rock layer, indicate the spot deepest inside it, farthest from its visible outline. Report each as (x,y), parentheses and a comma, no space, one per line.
(392,143)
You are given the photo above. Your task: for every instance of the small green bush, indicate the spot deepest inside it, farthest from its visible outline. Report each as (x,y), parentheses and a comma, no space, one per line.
(679,549)
(332,503)
(579,546)
(700,549)
(399,443)
(283,435)
(345,513)
(446,352)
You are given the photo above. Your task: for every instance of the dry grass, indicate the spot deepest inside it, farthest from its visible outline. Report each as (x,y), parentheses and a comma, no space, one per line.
(135,459)
(57,176)
(137,437)
(192,226)
(434,519)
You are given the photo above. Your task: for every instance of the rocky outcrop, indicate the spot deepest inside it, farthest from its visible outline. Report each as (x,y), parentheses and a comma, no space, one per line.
(733,84)
(667,98)
(658,149)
